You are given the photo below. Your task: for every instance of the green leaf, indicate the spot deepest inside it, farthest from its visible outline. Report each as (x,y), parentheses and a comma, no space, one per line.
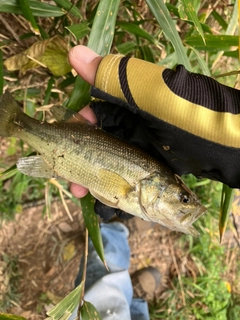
(89,312)
(213,43)
(147,53)
(187,12)
(226,204)
(8,173)
(6,316)
(80,96)
(103,28)
(126,47)
(100,40)
(48,91)
(79,30)
(69,7)
(91,221)
(202,63)
(136,30)
(27,13)
(164,19)
(219,19)
(65,308)
(1,73)
(39,9)
(175,11)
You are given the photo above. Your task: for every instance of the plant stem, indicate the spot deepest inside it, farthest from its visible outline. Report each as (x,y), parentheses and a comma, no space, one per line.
(84,274)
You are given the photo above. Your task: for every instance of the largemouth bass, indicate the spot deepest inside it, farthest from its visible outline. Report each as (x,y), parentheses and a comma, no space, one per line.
(116,172)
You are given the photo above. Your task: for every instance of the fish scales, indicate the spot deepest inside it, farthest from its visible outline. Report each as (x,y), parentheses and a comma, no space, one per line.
(116,172)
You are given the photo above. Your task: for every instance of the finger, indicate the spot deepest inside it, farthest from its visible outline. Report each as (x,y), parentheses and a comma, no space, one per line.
(85,62)
(78,191)
(88,114)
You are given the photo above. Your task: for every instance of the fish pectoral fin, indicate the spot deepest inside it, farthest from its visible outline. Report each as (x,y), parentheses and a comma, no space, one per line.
(35,166)
(103,200)
(113,186)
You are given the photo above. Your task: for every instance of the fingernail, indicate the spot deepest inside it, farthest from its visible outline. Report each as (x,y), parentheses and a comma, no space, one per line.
(83,54)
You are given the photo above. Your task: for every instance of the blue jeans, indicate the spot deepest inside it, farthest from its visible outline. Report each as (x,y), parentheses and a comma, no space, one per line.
(111,291)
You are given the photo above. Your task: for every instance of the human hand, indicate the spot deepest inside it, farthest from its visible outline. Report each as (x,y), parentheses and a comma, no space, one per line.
(188,121)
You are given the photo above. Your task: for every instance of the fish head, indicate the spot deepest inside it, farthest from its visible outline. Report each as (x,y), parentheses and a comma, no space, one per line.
(169,202)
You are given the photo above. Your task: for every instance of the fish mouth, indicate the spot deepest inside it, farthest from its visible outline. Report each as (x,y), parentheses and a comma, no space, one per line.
(191,215)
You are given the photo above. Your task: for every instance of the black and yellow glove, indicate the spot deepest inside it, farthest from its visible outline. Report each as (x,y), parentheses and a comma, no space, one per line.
(189,121)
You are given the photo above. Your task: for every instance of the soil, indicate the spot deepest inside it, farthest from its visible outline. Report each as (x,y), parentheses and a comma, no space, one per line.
(49,250)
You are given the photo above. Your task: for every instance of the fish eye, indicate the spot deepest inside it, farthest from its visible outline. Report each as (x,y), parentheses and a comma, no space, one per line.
(184,198)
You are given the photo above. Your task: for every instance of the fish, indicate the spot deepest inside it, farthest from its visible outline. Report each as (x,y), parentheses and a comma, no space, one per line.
(116,172)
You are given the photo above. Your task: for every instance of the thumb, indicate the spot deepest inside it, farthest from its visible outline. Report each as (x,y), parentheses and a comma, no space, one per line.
(85,61)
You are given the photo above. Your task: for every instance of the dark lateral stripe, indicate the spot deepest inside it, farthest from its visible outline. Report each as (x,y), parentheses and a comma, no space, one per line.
(122,71)
(202,90)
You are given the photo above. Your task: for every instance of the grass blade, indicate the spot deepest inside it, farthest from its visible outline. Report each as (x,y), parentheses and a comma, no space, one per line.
(8,173)
(89,312)
(1,73)
(27,13)
(202,63)
(213,43)
(226,204)
(48,91)
(6,316)
(69,7)
(100,40)
(39,9)
(91,221)
(65,307)
(187,12)
(136,30)
(79,30)
(164,19)
(103,28)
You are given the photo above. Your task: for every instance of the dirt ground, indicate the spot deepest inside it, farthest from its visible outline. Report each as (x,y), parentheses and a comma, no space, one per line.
(49,252)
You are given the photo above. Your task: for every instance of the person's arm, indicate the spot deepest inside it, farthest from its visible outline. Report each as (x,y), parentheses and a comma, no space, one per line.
(191,121)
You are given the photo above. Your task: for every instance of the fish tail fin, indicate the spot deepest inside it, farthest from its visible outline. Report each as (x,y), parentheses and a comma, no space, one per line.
(9,110)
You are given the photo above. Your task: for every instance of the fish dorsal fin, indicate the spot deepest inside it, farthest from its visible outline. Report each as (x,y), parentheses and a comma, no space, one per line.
(62,114)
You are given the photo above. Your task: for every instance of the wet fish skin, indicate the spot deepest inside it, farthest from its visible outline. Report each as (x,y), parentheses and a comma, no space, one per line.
(117,173)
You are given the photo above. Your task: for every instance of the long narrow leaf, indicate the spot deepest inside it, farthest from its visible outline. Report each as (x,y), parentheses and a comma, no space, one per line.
(100,40)
(213,43)
(65,307)
(219,19)
(136,30)
(7,316)
(91,221)
(164,19)
(8,173)
(226,204)
(39,9)
(68,6)
(202,63)
(187,12)
(1,73)
(27,13)
(79,30)
(89,312)
(175,11)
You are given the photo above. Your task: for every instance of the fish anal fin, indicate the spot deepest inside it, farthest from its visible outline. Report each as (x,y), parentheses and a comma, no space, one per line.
(35,166)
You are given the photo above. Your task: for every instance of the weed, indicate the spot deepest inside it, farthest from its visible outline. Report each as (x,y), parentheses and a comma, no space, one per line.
(9,278)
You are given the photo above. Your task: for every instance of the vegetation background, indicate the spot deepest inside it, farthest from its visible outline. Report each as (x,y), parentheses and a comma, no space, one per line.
(35,37)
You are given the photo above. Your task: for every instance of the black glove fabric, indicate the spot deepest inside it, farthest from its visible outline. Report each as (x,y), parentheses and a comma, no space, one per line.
(186,120)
